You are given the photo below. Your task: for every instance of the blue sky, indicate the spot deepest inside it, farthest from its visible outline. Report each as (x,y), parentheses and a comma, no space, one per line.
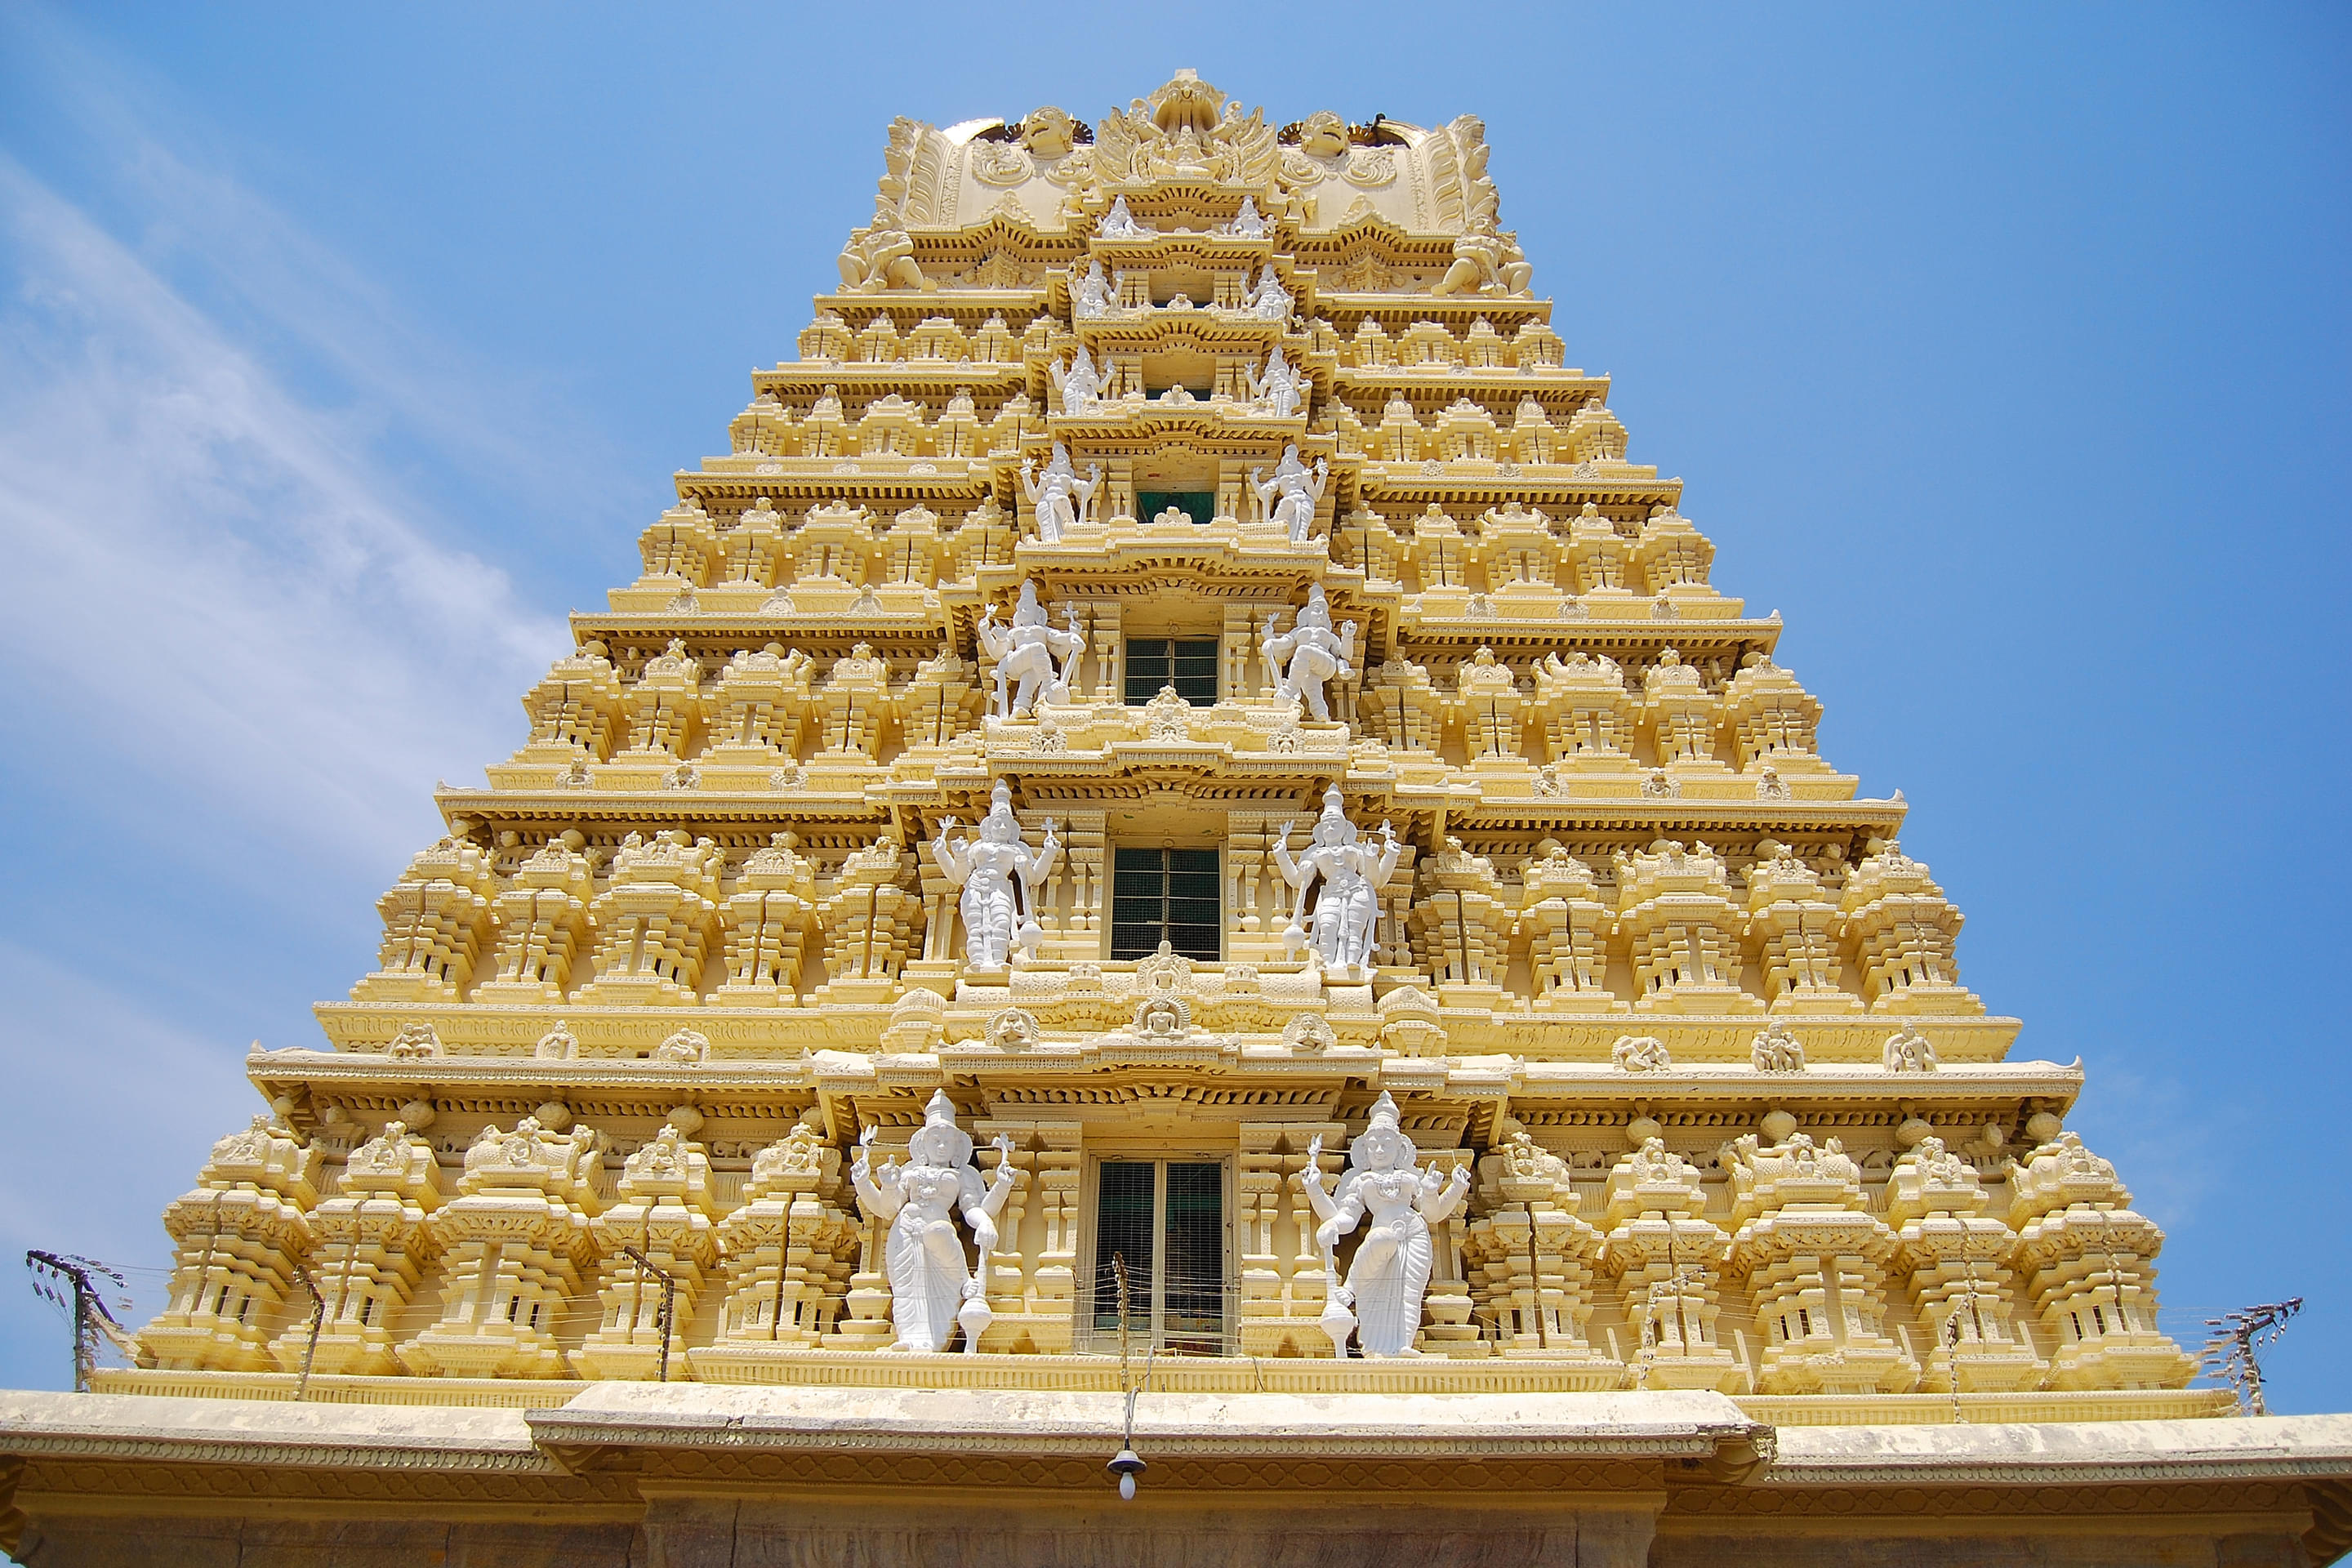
(2003,350)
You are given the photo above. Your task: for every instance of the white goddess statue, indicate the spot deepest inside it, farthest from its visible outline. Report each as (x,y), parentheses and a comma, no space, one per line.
(1026,652)
(1081,385)
(1267,299)
(1291,496)
(1249,223)
(931,1291)
(999,875)
(1390,1271)
(1300,660)
(1279,390)
(1121,224)
(1093,298)
(1059,497)
(1344,876)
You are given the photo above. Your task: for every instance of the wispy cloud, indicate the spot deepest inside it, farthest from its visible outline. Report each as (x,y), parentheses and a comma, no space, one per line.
(206,417)
(228,585)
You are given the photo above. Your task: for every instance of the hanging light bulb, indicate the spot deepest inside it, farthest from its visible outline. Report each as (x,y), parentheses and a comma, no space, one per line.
(1125,1465)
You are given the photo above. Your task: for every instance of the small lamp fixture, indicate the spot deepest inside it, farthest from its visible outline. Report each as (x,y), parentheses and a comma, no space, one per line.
(1126,1465)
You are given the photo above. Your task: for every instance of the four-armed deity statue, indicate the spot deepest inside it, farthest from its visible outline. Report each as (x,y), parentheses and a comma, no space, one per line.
(1385,1182)
(1291,496)
(1025,652)
(999,875)
(1339,877)
(1058,498)
(931,1293)
(1298,661)
(1081,384)
(1279,389)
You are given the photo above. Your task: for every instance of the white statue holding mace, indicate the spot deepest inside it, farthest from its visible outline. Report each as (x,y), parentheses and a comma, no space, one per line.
(1279,390)
(1081,384)
(1298,661)
(1059,497)
(1290,498)
(1344,876)
(931,1293)
(1027,651)
(1390,1271)
(999,875)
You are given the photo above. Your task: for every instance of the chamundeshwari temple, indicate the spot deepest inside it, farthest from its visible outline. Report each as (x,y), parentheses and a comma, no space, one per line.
(1173,854)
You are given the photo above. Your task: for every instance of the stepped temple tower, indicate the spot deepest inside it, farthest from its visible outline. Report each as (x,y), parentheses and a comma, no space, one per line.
(1174,794)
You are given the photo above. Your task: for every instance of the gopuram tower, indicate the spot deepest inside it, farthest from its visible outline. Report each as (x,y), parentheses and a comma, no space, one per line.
(1174,794)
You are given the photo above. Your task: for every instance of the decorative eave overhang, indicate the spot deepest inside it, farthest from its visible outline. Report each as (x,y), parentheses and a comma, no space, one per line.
(607,1420)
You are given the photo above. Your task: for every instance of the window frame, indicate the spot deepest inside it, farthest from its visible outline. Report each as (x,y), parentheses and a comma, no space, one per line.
(1127,676)
(1111,923)
(1148,1329)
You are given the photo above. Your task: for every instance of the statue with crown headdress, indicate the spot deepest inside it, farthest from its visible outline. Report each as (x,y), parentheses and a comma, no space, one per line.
(1058,498)
(1026,652)
(999,875)
(931,1293)
(1290,498)
(1298,661)
(1379,1304)
(1338,878)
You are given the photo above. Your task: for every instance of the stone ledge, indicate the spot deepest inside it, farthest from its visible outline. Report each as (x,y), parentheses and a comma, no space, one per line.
(1703,1426)
(250,1432)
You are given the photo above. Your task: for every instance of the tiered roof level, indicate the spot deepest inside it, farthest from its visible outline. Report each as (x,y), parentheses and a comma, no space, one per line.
(1643,965)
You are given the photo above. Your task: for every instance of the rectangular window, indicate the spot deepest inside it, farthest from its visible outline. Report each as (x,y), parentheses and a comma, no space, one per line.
(1187,664)
(1166,1220)
(1201,506)
(1165,895)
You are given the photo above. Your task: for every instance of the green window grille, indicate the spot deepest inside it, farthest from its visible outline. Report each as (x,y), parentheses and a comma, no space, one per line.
(1166,1220)
(1165,895)
(1199,505)
(1189,664)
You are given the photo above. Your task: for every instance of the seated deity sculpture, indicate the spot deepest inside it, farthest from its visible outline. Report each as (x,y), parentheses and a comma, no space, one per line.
(1081,384)
(1267,299)
(1386,1184)
(998,875)
(883,257)
(1290,498)
(1059,497)
(1300,660)
(1092,298)
(1908,1050)
(932,1293)
(1026,652)
(1486,260)
(1248,223)
(1121,224)
(1279,390)
(1341,876)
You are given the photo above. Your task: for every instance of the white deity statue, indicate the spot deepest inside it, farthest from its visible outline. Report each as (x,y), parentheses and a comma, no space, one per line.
(1267,299)
(1391,1266)
(1060,497)
(1081,384)
(1093,296)
(1279,390)
(1290,498)
(1344,877)
(1026,652)
(999,875)
(1249,223)
(1298,661)
(1121,224)
(931,1291)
